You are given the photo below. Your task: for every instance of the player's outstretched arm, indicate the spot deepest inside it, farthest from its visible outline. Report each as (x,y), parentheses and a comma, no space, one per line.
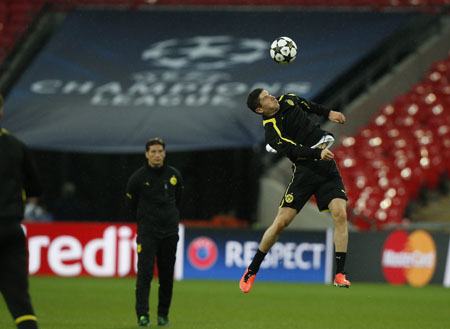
(336,117)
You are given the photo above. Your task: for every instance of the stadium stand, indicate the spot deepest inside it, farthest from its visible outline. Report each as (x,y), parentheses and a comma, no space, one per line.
(15,16)
(404,149)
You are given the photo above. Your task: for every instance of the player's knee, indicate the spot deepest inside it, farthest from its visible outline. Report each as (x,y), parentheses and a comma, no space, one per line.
(281,225)
(340,217)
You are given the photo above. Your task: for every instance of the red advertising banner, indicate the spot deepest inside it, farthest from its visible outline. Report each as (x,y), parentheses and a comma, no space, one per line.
(74,249)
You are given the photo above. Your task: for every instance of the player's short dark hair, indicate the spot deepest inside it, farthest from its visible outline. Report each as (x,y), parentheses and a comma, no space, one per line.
(155,141)
(253,99)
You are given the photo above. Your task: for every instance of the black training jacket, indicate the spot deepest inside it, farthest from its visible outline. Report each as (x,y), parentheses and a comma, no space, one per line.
(291,132)
(153,196)
(18,178)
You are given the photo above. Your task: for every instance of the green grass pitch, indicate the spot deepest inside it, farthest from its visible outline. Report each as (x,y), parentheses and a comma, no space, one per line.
(85,303)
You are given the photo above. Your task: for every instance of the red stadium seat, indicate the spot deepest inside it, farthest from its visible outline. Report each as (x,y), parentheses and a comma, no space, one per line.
(422,87)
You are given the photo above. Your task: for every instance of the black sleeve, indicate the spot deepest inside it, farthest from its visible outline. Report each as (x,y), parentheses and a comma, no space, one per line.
(32,183)
(179,188)
(284,145)
(132,197)
(312,107)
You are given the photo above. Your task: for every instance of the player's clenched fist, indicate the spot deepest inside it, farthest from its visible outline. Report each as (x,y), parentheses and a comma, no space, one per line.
(326,155)
(336,117)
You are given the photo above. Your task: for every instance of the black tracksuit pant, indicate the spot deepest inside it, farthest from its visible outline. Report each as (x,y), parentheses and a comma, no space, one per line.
(164,251)
(14,275)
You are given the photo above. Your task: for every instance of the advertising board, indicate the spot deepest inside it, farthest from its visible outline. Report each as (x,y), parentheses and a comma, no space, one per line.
(225,254)
(85,249)
(416,258)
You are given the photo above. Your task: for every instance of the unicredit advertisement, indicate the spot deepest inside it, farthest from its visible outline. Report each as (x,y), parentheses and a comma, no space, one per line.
(73,249)
(225,254)
(78,249)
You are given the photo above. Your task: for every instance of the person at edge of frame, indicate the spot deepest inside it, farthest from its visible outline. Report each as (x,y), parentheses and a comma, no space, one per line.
(153,197)
(290,132)
(19,180)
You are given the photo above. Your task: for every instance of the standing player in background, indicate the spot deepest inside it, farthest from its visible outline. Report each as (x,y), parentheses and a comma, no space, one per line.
(18,178)
(153,197)
(290,132)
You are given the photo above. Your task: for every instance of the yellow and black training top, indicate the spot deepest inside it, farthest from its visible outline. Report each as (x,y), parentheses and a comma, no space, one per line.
(291,132)
(153,196)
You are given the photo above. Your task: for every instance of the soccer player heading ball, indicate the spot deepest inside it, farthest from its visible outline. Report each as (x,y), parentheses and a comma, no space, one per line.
(290,132)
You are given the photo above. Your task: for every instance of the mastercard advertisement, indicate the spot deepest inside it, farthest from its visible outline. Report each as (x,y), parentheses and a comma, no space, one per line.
(409,258)
(400,257)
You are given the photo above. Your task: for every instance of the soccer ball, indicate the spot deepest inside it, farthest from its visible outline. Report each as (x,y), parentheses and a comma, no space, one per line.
(283,50)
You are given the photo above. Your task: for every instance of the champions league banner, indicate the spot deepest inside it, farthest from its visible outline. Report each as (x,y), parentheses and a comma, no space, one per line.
(106,81)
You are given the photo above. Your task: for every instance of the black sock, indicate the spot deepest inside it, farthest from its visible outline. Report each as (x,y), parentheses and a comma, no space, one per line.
(256,262)
(340,262)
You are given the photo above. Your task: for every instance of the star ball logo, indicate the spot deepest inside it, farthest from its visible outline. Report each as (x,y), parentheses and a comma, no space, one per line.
(202,253)
(409,258)
(205,52)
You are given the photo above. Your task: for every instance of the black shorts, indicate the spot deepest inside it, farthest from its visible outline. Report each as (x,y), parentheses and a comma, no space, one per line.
(313,177)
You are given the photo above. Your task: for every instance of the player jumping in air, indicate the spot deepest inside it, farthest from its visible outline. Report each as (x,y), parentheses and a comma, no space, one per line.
(290,132)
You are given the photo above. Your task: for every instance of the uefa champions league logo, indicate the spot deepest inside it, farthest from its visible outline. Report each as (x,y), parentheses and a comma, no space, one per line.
(202,253)
(205,52)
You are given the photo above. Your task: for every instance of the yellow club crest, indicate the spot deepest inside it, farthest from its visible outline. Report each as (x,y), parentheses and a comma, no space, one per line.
(290,102)
(173,180)
(289,198)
